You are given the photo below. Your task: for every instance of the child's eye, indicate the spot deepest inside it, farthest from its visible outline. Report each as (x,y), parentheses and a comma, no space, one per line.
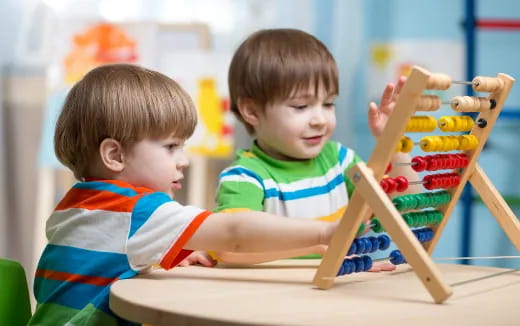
(172,146)
(299,107)
(329,104)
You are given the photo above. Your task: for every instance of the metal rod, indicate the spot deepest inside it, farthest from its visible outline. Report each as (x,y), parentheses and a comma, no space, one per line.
(485,277)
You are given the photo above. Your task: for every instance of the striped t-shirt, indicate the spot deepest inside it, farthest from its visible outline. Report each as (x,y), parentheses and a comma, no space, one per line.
(100,232)
(318,188)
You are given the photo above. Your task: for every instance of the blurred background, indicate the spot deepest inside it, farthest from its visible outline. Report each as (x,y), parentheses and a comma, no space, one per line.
(47,45)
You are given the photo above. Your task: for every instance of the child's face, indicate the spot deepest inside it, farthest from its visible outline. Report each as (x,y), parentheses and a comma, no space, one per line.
(297,128)
(156,164)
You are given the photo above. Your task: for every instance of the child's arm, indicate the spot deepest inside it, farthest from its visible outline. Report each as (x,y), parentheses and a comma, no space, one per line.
(256,258)
(258,232)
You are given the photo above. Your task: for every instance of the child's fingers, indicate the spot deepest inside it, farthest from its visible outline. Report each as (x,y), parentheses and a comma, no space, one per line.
(372,109)
(374,269)
(386,267)
(207,262)
(387,96)
(398,88)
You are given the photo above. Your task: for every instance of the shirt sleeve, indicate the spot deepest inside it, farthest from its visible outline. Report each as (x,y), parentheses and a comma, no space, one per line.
(159,229)
(239,188)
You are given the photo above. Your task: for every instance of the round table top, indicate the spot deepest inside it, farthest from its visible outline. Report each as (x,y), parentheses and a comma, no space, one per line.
(281,293)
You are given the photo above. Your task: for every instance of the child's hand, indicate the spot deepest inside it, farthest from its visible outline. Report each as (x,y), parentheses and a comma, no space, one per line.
(382,267)
(198,258)
(377,117)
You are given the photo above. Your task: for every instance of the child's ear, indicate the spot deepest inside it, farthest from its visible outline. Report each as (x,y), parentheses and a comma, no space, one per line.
(111,153)
(248,110)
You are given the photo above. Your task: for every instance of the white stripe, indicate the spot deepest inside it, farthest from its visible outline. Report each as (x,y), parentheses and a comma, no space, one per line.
(348,159)
(307,183)
(241,178)
(312,207)
(154,239)
(97,230)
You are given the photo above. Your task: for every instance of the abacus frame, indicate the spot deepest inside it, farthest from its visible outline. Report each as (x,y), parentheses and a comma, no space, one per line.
(369,198)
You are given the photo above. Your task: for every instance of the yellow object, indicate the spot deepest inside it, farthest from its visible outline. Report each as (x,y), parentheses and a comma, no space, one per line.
(211,112)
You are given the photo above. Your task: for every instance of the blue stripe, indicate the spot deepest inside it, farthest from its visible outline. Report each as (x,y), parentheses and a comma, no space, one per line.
(239,171)
(103,186)
(144,208)
(73,295)
(304,193)
(342,154)
(81,261)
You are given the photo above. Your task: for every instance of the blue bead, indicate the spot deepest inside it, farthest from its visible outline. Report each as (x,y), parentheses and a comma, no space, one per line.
(360,266)
(396,257)
(360,246)
(350,267)
(341,270)
(384,242)
(368,245)
(353,248)
(375,244)
(368,262)
(430,234)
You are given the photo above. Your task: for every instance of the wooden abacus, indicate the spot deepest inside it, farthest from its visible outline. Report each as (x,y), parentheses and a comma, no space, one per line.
(369,197)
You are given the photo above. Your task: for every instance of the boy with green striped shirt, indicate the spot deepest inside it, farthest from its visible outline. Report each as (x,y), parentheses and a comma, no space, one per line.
(283,84)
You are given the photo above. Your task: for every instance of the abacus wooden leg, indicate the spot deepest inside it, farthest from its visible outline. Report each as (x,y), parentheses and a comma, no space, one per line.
(357,212)
(400,233)
(496,205)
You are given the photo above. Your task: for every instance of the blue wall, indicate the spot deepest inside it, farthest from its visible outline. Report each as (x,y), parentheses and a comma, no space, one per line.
(496,51)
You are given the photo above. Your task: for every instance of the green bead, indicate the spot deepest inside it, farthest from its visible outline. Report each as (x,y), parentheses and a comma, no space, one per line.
(408,218)
(377,227)
(361,229)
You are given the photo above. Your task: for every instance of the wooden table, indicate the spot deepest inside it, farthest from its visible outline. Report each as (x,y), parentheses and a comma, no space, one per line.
(281,293)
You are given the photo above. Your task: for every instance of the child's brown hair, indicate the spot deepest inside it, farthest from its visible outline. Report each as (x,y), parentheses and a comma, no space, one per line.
(272,64)
(121,101)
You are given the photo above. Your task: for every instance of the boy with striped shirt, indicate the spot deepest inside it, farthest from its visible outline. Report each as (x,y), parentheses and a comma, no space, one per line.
(283,84)
(121,131)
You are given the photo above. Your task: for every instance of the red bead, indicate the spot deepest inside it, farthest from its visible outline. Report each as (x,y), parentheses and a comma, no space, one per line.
(428,182)
(384,185)
(392,185)
(388,168)
(418,164)
(433,164)
(402,183)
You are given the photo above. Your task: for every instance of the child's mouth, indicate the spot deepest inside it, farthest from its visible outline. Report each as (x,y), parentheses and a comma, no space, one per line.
(313,140)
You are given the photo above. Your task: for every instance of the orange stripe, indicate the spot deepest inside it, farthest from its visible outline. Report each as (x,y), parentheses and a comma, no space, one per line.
(169,259)
(78,278)
(95,199)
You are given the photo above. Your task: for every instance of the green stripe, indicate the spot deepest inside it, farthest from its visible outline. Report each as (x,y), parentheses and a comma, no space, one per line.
(52,314)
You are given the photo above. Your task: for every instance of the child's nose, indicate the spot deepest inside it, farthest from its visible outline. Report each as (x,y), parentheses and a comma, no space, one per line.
(318,117)
(183,161)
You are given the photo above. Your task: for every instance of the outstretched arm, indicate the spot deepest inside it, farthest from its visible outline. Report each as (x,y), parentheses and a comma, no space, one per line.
(258,232)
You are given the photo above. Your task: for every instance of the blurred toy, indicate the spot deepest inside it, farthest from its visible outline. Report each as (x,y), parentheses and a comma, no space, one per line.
(217,132)
(100,44)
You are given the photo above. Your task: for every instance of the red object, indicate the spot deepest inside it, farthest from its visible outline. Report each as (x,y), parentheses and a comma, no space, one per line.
(429,182)
(384,185)
(505,24)
(392,185)
(431,163)
(402,183)
(388,168)
(419,164)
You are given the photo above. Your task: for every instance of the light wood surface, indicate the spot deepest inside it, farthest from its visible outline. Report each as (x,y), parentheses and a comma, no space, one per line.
(281,293)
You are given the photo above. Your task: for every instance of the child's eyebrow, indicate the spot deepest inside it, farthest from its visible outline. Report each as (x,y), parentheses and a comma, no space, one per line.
(307,96)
